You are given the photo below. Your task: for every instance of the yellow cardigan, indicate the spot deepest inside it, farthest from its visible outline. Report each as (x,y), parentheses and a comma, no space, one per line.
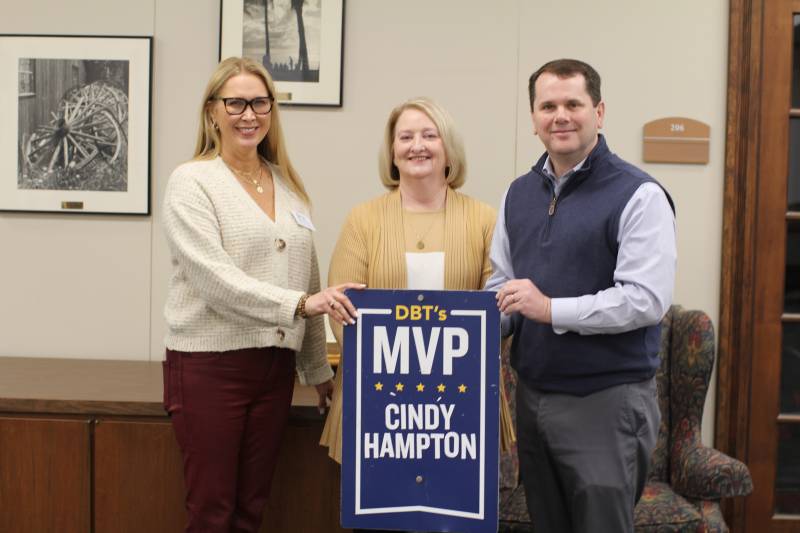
(371,250)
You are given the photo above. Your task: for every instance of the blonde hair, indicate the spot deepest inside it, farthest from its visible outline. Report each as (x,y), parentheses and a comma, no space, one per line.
(272,148)
(456,170)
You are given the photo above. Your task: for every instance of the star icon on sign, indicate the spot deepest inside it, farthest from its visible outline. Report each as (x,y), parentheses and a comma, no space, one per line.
(462,388)
(379,386)
(399,387)
(441,387)
(420,387)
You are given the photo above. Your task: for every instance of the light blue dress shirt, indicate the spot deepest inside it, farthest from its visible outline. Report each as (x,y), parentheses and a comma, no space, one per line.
(644,276)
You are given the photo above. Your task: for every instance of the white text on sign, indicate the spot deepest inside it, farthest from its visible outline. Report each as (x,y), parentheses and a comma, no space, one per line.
(455,345)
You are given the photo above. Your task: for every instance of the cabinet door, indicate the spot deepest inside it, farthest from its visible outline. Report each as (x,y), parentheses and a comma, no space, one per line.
(305,489)
(138,478)
(44,475)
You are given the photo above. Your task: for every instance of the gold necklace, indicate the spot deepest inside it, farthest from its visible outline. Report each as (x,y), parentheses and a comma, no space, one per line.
(257,182)
(421,237)
(249,177)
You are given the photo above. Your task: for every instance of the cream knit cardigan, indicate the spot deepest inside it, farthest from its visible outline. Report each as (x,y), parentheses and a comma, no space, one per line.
(237,275)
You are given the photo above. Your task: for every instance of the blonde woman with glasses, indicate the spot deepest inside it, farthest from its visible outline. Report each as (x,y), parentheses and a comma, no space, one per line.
(244,306)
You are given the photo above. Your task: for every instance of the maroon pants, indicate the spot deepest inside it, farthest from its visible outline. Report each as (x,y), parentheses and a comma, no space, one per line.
(229,411)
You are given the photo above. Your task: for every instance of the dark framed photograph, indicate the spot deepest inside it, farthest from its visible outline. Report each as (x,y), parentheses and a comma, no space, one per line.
(79,141)
(298,41)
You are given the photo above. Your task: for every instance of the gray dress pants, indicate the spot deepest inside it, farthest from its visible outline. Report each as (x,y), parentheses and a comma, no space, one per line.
(584,460)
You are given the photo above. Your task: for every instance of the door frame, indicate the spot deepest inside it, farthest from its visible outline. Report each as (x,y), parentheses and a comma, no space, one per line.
(749,321)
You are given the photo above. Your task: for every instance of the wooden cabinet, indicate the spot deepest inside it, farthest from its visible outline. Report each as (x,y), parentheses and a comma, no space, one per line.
(310,507)
(45,475)
(103,457)
(138,478)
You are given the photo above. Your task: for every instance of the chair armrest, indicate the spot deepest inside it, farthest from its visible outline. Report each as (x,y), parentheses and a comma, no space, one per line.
(704,473)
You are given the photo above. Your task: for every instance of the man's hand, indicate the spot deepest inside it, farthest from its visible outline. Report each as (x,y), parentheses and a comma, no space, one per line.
(522,296)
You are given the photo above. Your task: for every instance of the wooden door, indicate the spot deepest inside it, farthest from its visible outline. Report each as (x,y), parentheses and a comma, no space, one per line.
(44,475)
(774,454)
(759,398)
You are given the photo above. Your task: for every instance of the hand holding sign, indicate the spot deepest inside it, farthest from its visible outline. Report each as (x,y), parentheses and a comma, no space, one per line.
(524,297)
(333,302)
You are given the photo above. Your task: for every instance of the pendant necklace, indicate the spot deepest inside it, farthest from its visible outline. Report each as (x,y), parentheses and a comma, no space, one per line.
(421,238)
(257,183)
(249,177)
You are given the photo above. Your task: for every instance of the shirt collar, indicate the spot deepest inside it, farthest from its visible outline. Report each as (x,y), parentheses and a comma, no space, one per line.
(558,183)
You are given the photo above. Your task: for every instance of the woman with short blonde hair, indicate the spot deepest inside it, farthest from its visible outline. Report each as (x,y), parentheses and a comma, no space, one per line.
(422,234)
(455,171)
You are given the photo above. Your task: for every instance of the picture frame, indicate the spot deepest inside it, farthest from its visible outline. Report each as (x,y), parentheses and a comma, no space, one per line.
(79,141)
(308,74)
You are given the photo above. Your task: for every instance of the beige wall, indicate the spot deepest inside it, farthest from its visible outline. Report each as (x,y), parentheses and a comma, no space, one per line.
(94,286)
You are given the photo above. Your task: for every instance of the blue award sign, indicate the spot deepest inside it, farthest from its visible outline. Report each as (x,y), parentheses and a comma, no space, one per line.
(421,412)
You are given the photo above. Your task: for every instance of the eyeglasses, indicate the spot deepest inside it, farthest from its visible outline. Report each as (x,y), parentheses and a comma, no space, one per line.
(261,105)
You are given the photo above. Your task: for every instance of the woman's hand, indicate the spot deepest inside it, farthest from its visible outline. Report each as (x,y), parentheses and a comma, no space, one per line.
(334,302)
(325,393)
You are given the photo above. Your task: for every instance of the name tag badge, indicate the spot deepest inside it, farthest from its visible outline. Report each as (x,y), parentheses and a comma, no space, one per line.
(303,220)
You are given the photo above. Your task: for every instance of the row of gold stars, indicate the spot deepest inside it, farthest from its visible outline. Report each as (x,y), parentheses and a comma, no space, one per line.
(420,387)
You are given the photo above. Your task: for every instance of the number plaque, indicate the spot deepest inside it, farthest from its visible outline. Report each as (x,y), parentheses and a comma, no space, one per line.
(676,140)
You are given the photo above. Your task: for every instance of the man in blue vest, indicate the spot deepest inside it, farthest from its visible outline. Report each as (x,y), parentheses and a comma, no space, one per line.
(584,266)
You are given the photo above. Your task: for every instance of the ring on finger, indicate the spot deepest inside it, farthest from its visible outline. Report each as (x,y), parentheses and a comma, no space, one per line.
(332,303)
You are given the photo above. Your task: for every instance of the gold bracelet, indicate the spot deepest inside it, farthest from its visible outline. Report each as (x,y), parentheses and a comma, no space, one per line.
(301,307)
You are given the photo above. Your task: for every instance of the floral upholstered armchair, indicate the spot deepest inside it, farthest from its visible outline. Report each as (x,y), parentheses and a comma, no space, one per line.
(687,480)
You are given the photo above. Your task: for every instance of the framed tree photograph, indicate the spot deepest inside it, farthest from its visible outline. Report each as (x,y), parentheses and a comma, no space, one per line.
(298,41)
(78,135)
